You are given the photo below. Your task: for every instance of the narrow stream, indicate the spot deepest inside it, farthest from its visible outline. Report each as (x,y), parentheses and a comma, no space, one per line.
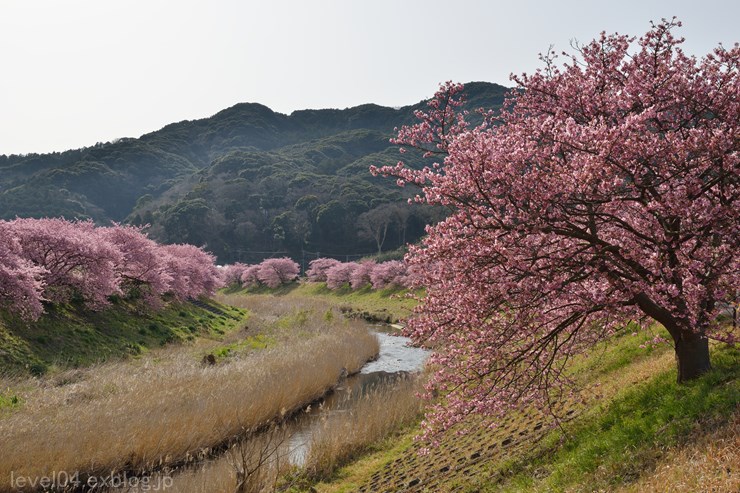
(395,360)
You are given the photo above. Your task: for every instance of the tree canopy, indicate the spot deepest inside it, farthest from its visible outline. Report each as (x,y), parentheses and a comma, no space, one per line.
(605,191)
(55,261)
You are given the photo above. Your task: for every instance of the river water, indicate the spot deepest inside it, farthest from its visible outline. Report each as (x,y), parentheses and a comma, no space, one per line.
(395,360)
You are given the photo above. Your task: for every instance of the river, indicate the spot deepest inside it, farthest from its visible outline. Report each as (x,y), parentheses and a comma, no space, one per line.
(396,359)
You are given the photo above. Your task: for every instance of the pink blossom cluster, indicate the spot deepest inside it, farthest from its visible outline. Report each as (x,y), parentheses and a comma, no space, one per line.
(57,261)
(607,189)
(357,275)
(272,272)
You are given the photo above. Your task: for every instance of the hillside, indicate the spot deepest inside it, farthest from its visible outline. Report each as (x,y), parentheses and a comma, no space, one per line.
(633,428)
(72,336)
(245,180)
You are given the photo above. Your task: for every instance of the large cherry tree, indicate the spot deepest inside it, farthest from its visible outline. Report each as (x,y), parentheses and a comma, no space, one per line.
(141,272)
(606,190)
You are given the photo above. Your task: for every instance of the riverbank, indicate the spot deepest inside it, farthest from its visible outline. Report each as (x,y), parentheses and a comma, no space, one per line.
(71,336)
(173,405)
(389,305)
(632,429)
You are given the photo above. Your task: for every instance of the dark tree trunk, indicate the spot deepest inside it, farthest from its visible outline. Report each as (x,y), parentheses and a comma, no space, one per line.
(692,348)
(692,355)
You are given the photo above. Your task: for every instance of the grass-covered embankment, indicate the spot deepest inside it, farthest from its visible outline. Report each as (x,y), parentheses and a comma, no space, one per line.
(622,433)
(69,336)
(388,305)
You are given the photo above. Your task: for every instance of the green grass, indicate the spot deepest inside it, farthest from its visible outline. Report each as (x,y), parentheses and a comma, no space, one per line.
(633,414)
(615,444)
(9,400)
(71,336)
(387,305)
(259,341)
(380,456)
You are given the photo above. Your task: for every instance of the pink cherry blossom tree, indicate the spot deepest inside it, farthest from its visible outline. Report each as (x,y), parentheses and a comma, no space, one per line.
(141,271)
(360,275)
(274,272)
(76,260)
(317,269)
(231,275)
(387,274)
(58,261)
(606,190)
(340,274)
(21,287)
(250,277)
(192,269)
(415,275)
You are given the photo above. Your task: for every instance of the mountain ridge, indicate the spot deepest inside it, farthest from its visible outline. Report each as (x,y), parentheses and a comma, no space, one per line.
(147,179)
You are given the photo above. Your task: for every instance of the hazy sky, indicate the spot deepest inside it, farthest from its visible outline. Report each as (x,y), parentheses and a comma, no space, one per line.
(76,72)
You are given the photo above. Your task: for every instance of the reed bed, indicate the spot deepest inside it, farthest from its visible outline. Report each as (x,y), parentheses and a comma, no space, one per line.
(257,464)
(378,413)
(168,408)
(262,462)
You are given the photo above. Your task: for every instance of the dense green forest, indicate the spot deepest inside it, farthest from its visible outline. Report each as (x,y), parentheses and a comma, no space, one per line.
(246,183)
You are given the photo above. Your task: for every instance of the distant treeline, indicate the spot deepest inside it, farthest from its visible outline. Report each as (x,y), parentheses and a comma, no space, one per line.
(275,272)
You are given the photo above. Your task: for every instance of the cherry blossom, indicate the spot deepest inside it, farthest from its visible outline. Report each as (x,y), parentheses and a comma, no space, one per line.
(274,272)
(606,190)
(21,286)
(317,269)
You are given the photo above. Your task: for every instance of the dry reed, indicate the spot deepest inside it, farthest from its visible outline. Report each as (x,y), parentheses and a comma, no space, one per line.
(167,408)
(344,436)
(711,463)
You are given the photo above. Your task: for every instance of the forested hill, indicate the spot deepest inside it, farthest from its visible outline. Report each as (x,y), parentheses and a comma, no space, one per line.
(243,181)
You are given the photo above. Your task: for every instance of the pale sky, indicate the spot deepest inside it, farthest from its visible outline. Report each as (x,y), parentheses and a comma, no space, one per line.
(77,72)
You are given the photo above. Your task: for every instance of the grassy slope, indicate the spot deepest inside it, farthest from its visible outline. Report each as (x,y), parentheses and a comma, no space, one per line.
(69,336)
(630,421)
(388,305)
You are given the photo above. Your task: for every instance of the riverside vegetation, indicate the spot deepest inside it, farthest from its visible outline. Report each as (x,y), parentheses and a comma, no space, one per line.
(167,408)
(632,429)
(598,203)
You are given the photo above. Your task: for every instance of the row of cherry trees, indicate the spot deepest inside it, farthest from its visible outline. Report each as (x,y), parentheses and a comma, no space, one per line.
(272,272)
(360,274)
(57,261)
(275,272)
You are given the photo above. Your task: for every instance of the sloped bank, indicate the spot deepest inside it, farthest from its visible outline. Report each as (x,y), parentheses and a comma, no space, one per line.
(388,305)
(70,336)
(615,435)
(161,410)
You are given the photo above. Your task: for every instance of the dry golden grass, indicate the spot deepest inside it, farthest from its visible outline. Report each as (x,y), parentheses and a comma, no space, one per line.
(253,465)
(167,407)
(344,436)
(709,464)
